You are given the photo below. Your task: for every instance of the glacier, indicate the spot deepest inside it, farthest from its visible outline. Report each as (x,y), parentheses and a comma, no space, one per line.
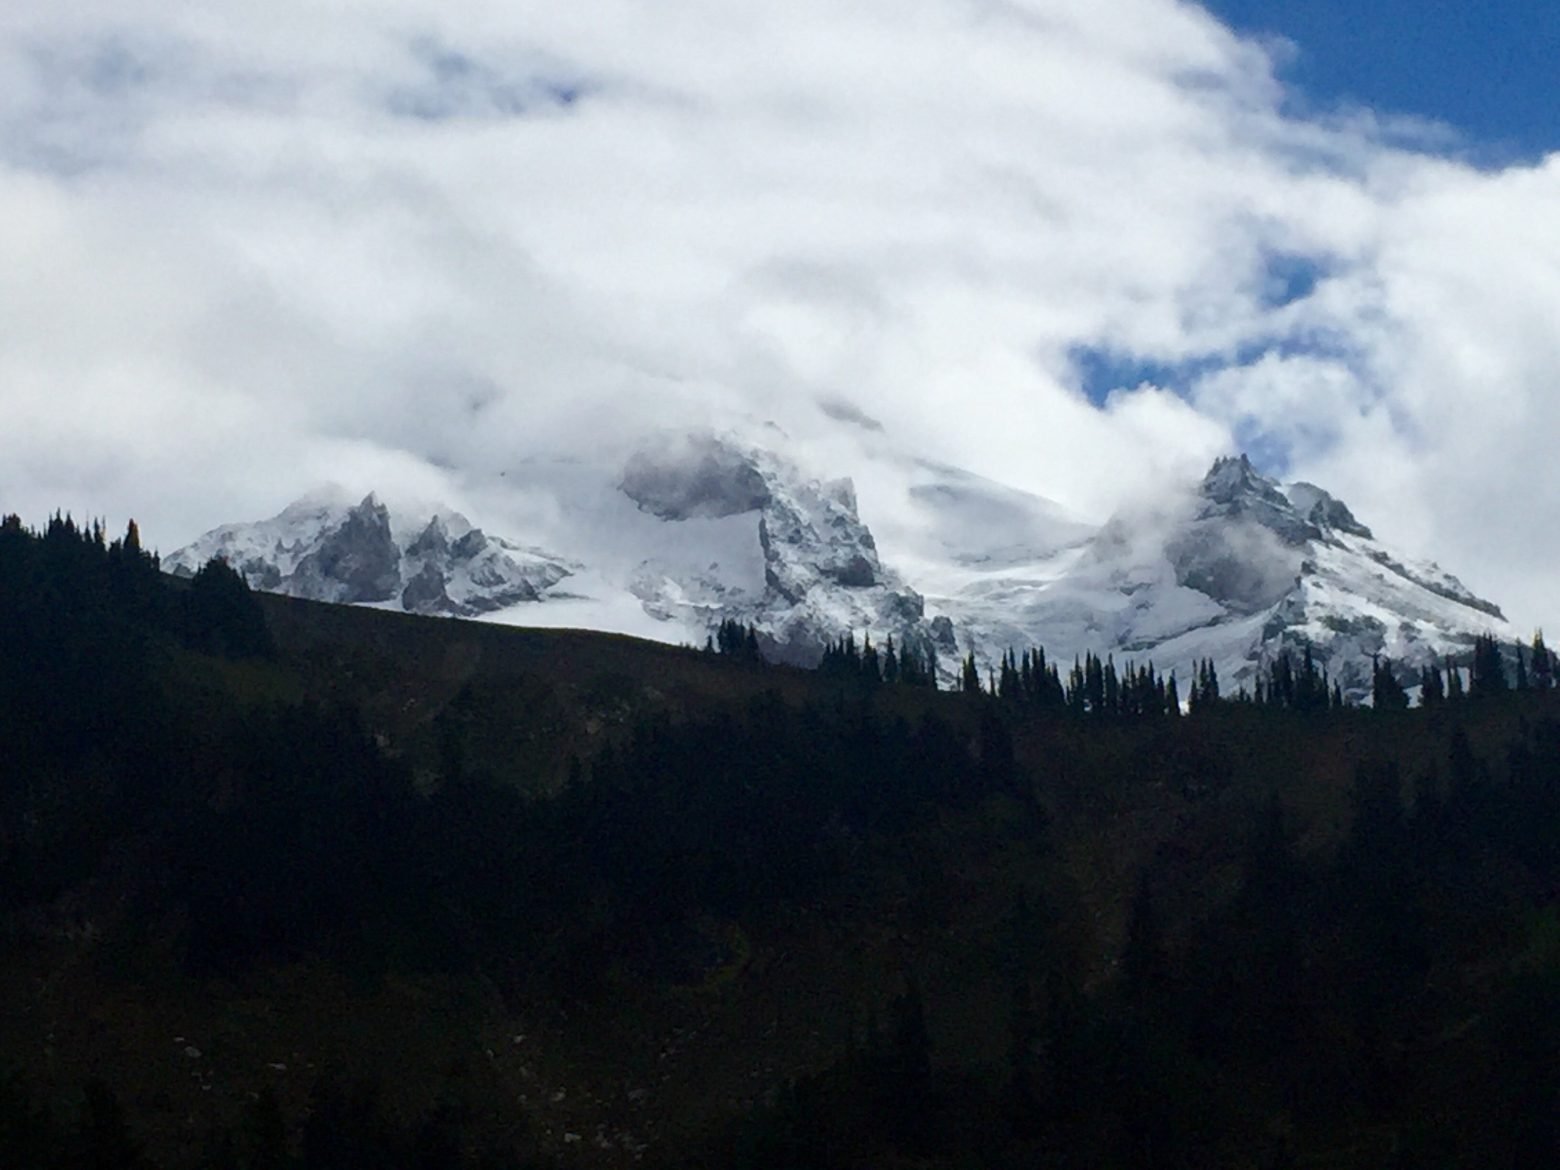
(703,527)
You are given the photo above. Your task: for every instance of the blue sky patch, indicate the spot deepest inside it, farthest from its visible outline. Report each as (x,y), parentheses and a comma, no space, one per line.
(1101,370)
(1270,454)
(1486,70)
(1289,278)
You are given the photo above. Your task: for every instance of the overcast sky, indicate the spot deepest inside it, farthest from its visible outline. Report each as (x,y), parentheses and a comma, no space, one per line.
(1077,245)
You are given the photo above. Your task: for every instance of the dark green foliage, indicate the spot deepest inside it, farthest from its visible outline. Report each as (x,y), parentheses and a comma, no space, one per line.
(1144,965)
(310,849)
(1543,664)
(1205,686)
(1455,691)
(439,1141)
(918,668)
(1094,688)
(867,667)
(1304,688)
(1488,675)
(103,1140)
(735,640)
(321,846)
(1025,1087)
(265,1133)
(221,615)
(83,625)
(28,1134)
(721,815)
(1387,694)
(969,676)
(1269,983)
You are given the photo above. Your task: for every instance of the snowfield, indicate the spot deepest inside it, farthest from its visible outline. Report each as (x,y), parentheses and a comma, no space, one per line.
(705,527)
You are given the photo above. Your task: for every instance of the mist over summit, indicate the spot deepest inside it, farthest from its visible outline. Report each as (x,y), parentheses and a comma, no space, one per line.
(705,527)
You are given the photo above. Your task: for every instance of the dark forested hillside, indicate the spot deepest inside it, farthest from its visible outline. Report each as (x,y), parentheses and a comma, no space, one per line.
(286,884)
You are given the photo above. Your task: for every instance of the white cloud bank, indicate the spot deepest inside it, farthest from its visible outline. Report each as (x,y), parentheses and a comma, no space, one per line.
(250,247)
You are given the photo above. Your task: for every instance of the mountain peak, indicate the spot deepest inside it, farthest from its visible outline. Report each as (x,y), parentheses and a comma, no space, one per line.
(326,549)
(1297,512)
(1232,477)
(1235,489)
(710,526)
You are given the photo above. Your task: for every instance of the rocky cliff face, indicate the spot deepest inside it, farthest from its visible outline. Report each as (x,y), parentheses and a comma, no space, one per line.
(822,576)
(323,549)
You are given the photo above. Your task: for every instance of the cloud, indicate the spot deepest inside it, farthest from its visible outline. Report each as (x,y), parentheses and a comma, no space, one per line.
(256,247)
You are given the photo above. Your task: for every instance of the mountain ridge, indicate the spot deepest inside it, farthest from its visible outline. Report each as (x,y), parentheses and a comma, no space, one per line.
(1238,570)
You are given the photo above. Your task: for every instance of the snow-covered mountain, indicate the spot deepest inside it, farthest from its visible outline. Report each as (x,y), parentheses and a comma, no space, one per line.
(699,528)
(818,575)
(1236,571)
(324,548)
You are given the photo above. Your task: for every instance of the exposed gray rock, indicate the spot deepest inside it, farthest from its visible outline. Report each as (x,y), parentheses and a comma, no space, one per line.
(1249,570)
(325,551)
(943,635)
(822,576)
(433,542)
(359,561)
(470,546)
(1238,564)
(425,593)
(1325,511)
(1233,489)
(694,477)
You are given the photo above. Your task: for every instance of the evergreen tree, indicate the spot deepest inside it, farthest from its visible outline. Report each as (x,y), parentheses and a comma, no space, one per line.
(871,671)
(1387,694)
(222,616)
(969,678)
(1009,684)
(1094,684)
(1205,686)
(916,672)
(1112,695)
(1488,676)
(1310,690)
(1077,698)
(1281,686)
(1543,673)
(735,640)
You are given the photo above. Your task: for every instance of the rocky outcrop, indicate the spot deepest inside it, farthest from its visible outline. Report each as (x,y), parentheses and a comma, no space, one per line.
(822,575)
(355,562)
(1244,570)
(694,477)
(327,550)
